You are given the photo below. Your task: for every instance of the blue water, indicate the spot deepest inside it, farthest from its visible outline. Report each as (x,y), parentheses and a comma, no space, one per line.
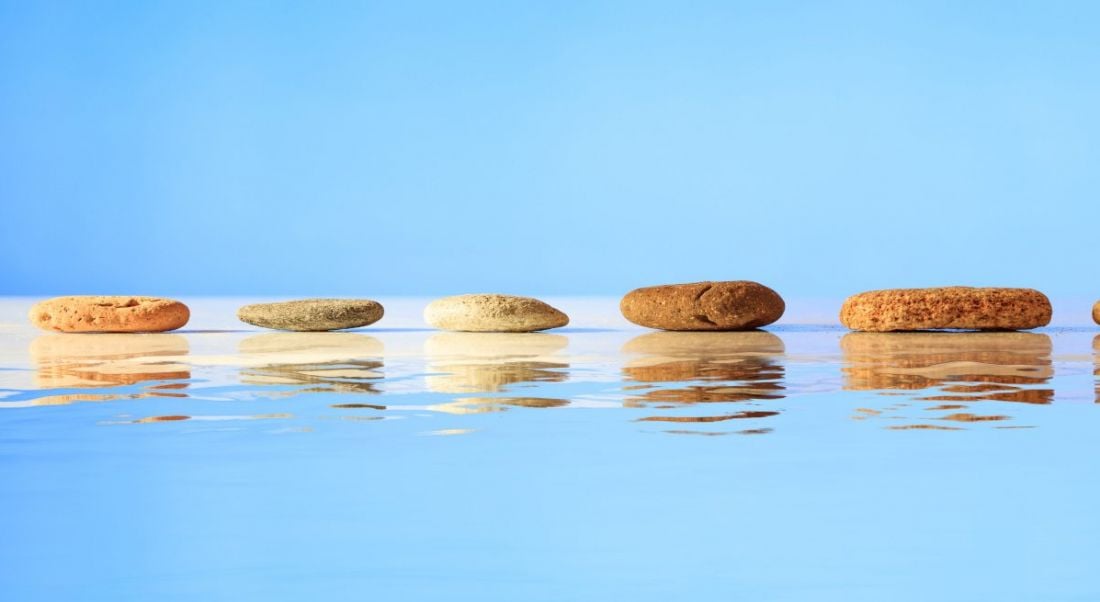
(214,466)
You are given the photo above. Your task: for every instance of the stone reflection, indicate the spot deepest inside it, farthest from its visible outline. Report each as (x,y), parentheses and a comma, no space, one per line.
(483,405)
(102,361)
(953,369)
(474,362)
(682,369)
(329,362)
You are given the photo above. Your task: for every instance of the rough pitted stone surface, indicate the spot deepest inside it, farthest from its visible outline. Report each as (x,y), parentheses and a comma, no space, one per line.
(312,315)
(734,305)
(1096,312)
(109,314)
(953,307)
(493,313)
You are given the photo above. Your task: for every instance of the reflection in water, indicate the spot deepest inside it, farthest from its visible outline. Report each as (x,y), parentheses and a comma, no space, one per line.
(68,361)
(151,419)
(1096,364)
(734,416)
(328,362)
(763,431)
(449,432)
(473,362)
(728,366)
(952,369)
(968,417)
(483,405)
(184,417)
(923,427)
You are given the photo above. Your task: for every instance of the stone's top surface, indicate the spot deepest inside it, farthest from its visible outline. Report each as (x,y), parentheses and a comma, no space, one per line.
(98,313)
(312,315)
(730,305)
(493,313)
(954,307)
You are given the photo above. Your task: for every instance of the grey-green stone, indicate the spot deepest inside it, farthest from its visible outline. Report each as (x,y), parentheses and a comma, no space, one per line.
(312,314)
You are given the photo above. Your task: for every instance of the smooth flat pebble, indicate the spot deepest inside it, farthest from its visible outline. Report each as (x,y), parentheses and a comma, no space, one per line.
(95,313)
(952,307)
(312,315)
(731,305)
(493,313)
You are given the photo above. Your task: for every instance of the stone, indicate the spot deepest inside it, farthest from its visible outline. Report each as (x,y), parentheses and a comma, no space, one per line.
(312,315)
(1096,312)
(109,314)
(733,305)
(953,307)
(493,313)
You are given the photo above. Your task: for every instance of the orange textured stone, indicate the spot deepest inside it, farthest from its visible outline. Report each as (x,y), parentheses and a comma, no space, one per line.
(109,314)
(952,307)
(1096,312)
(733,305)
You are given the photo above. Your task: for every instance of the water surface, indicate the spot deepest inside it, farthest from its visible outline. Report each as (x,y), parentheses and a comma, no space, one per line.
(600,461)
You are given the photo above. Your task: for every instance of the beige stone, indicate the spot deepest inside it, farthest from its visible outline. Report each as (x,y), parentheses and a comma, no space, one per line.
(493,313)
(953,307)
(109,314)
(732,305)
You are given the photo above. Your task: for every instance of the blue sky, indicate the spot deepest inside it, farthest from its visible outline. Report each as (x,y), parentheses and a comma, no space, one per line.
(425,148)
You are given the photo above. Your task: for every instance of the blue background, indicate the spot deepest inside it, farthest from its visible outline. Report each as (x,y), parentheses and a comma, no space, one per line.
(546,148)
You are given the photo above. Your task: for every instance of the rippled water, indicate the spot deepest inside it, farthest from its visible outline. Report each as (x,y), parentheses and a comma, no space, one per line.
(597,462)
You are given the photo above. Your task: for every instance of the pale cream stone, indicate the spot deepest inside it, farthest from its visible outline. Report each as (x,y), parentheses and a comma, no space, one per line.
(493,313)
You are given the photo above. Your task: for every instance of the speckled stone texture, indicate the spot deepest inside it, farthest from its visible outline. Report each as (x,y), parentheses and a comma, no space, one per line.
(493,313)
(109,314)
(953,307)
(733,305)
(312,315)
(1096,312)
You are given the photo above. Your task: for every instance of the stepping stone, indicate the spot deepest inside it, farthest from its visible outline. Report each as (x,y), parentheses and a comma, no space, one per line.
(493,313)
(109,314)
(733,305)
(312,315)
(953,307)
